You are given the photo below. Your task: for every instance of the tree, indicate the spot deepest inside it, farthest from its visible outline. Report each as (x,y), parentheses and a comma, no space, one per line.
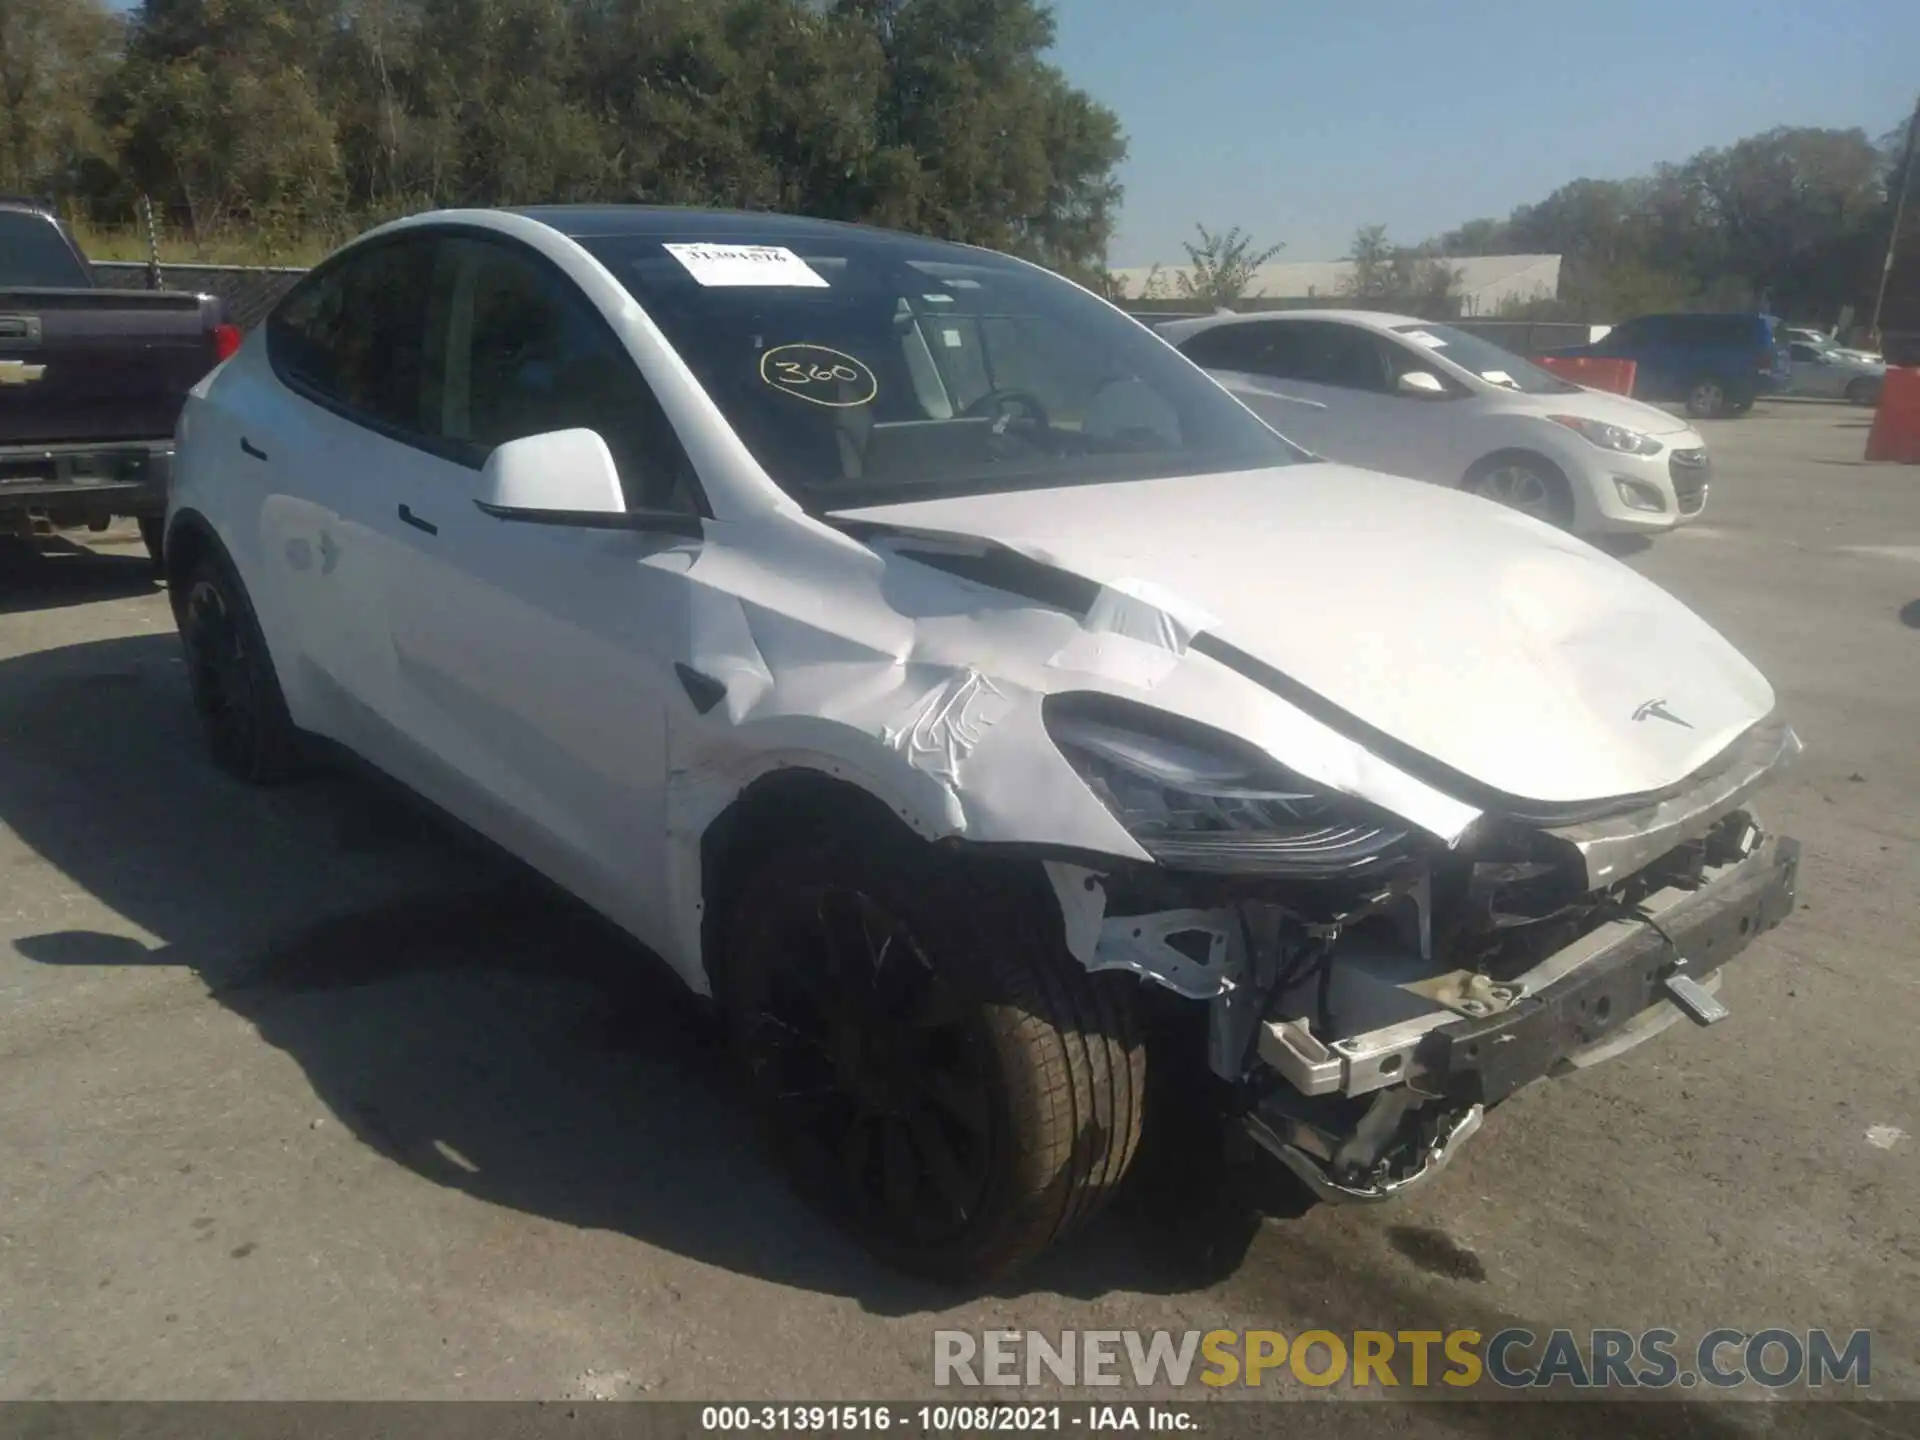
(54,56)
(1221,267)
(1390,277)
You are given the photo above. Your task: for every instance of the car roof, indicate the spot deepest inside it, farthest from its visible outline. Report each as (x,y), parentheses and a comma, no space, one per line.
(596,222)
(1366,319)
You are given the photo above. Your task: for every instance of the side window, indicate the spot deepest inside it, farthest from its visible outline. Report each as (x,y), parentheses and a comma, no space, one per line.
(1230,347)
(1341,356)
(526,353)
(1701,332)
(1804,351)
(354,333)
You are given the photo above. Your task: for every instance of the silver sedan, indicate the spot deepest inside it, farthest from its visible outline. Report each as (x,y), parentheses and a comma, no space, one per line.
(1834,374)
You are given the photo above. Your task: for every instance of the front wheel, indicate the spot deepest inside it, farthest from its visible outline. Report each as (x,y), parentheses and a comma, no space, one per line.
(1531,484)
(1863,392)
(931,1068)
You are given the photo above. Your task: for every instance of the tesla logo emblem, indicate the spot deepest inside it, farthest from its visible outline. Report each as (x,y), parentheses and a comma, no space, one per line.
(1657,710)
(18,372)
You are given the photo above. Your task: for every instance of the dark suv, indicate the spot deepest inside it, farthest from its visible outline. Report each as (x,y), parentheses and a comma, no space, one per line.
(1717,364)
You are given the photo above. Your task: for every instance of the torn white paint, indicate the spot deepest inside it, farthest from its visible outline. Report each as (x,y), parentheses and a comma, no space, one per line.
(940,730)
(1885,1137)
(736,265)
(1135,634)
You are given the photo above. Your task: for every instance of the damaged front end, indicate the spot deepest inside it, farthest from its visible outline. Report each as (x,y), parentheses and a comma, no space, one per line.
(1370,991)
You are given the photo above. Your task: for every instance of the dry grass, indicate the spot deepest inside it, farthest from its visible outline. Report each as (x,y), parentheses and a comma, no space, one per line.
(236,247)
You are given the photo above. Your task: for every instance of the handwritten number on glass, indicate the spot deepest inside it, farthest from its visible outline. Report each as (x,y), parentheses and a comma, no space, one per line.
(817,374)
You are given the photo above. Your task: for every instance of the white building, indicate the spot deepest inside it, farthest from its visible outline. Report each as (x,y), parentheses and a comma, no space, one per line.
(1486,281)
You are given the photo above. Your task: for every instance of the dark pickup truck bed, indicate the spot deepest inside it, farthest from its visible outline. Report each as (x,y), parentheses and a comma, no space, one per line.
(91,383)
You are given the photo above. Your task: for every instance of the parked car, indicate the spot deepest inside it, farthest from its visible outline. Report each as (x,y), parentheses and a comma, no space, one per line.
(1821,340)
(91,382)
(980,705)
(1432,402)
(1835,374)
(1717,364)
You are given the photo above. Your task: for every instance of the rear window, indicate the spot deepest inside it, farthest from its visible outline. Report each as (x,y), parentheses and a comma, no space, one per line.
(33,253)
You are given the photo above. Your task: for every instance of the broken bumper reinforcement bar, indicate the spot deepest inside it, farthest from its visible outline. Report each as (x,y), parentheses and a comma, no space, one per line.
(1597,989)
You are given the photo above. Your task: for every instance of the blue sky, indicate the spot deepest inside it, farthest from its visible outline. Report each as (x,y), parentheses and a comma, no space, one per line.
(1301,120)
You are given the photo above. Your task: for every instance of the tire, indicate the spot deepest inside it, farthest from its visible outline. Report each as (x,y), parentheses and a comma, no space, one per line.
(1531,484)
(236,693)
(1706,398)
(153,530)
(1863,391)
(929,1066)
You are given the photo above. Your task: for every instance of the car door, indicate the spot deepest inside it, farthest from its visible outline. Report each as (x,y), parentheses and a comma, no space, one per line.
(1248,358)
(1343,371)
(1814,373)
(535,663)
(318,431)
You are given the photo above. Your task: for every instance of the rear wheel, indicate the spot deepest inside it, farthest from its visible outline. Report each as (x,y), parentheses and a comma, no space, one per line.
(1531,484)
(242,711)
(930,1067)
(1706,398)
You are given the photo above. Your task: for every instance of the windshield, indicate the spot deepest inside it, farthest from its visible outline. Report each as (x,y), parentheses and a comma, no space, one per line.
(864,367)
(1485,359)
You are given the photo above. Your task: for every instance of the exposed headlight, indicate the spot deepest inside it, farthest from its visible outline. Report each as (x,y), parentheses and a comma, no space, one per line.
(1197,801)
(1609,437)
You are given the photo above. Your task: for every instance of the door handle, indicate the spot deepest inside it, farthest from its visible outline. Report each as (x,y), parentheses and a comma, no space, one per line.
(249,448)
(406,514)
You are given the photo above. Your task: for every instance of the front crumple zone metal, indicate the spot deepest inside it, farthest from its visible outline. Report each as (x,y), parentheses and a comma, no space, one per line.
(1204,955)
(1141,943)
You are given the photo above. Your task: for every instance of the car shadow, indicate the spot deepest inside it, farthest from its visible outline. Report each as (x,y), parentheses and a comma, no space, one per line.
(466,1022)
(54,572)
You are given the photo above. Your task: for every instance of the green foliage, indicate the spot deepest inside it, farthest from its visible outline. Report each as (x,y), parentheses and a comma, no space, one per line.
(290,118)
(1394,277)
(1220,267)
(1794,219)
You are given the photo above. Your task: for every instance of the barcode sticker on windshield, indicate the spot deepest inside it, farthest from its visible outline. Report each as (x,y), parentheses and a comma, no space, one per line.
(1421,337)
(1497,377)
(735,265)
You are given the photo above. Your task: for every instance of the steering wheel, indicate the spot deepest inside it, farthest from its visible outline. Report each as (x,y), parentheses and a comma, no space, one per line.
(1005,403)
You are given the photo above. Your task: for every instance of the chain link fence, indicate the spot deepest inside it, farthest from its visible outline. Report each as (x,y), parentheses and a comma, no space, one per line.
(247,292)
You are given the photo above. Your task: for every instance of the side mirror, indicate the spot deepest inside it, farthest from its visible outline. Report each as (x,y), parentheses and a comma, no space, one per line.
(1421,383)
(567,477)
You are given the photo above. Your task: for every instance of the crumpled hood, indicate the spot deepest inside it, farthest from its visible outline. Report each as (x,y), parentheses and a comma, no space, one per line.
(1510,652)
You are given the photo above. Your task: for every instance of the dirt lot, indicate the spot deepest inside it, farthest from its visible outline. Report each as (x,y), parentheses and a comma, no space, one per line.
(301,1097)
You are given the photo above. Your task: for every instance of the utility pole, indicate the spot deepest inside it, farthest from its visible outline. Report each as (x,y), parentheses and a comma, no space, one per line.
(1905,183)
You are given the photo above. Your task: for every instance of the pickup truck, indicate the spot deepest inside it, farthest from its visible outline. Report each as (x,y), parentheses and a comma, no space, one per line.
(91,383)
